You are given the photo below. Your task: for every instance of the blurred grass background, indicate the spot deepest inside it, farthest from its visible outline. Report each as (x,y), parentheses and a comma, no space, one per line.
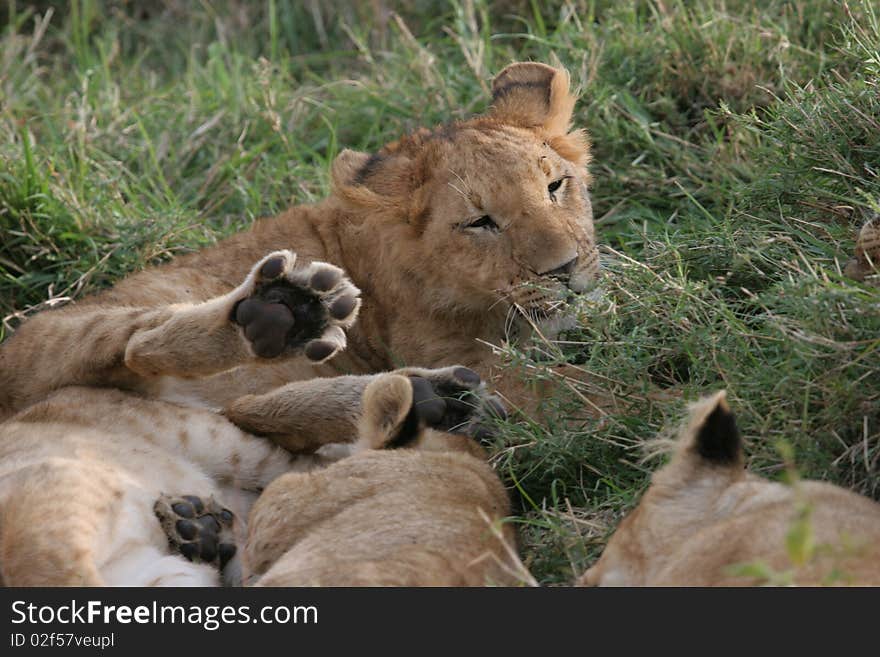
(737,150)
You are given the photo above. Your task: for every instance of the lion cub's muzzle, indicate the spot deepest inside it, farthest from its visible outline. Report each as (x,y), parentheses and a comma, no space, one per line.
(580,274)
(564,272)
(585,275)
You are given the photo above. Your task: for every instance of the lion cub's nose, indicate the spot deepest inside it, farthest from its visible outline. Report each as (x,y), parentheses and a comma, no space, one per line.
(563,273)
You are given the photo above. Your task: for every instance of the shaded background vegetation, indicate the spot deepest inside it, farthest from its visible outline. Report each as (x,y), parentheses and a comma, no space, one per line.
(737,150)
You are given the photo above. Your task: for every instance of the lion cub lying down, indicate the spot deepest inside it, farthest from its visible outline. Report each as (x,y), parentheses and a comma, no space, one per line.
(101,487)
(704,515)
(425,511)
(865,263)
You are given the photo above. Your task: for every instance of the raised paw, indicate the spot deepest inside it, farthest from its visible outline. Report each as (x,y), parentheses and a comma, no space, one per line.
(288,309)
(455,400)
(200,529)
(399,405)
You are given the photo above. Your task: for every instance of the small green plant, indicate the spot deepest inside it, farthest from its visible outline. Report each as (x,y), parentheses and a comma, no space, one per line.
(800,543)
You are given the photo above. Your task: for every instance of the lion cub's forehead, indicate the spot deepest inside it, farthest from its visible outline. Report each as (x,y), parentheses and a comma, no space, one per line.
(502,155)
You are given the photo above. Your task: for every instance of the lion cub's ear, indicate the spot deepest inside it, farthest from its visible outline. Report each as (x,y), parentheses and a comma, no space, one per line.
(537,96)
(347,167)
(385,406)
(712,434)
(534,96)
(387,179)
(708,445)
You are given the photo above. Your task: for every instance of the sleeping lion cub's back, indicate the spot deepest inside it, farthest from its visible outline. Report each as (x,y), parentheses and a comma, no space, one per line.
(389,517)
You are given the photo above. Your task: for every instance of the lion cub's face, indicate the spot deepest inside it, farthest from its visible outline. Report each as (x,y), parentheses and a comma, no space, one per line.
(518,216)
(495,208)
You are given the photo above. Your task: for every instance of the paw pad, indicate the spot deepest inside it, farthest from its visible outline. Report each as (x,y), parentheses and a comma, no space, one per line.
(451,399)
(272,268)
(325,280)
(292,310)
(466,375)
(201,530)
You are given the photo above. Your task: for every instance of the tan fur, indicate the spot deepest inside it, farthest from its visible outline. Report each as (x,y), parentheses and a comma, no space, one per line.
(865,263)
(80,473)
(700,517)
(427,515)
(80,469)
(434,291)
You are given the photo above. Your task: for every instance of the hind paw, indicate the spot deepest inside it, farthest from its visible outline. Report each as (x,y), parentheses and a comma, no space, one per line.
(289,310)
(199,529)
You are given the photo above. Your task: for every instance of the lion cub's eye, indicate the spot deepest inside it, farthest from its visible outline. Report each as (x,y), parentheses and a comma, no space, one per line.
(555,187)
(484,222)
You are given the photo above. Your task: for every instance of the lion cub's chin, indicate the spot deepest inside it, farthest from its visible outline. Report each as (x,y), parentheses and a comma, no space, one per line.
(705,521)
(551,327)
(568,317)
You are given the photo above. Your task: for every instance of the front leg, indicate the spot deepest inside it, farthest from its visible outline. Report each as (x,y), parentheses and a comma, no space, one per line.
(278,311)
(305,415)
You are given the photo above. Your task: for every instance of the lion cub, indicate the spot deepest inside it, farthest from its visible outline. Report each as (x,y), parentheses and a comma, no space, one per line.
(102,487)
(425,511)
(705,521)
(865,263)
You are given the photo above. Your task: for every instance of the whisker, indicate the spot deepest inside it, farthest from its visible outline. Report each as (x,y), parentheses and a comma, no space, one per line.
(463,195)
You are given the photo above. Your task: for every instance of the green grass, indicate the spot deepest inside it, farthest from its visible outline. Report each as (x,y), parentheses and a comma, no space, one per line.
(737,150)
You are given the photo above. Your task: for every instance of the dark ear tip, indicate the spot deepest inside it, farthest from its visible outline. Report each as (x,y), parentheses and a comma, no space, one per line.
(718,438)
(346,166)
